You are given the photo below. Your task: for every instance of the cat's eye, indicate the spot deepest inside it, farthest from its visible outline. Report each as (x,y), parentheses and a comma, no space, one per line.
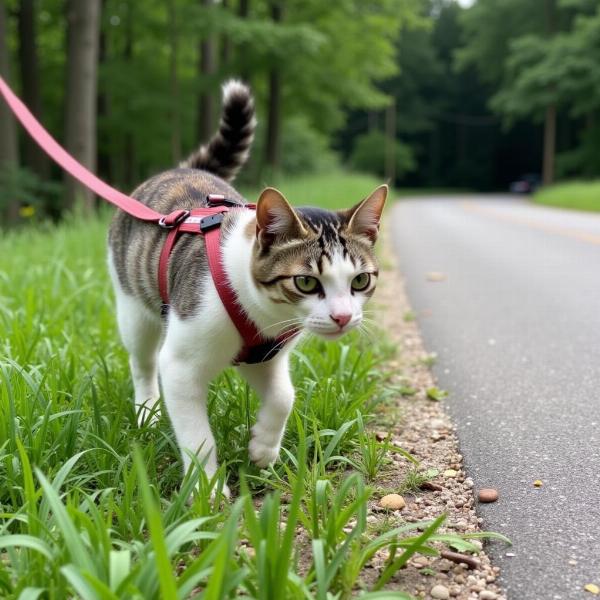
(307,284)
(361,282)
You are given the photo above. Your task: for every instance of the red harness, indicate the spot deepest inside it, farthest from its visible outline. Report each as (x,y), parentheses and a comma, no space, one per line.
(204,220)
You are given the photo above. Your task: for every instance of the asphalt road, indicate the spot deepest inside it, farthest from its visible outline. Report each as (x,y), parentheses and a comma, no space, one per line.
(516,326)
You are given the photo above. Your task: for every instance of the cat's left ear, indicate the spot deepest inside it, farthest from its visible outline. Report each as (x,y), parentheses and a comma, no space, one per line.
(276,218)
(365,216)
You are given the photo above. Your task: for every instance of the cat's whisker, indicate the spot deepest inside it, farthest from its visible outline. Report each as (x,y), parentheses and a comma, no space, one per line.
(286,323)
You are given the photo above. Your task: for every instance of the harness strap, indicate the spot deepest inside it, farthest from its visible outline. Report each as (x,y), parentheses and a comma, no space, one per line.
(207,221)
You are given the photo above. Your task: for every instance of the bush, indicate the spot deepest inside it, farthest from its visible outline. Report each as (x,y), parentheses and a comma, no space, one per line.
(369,155)
(303,150)
(24,191)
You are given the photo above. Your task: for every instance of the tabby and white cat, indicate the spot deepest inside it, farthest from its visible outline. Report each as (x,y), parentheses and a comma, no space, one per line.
(305,267)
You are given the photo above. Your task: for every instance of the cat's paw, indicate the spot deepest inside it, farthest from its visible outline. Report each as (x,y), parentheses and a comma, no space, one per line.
(262,454)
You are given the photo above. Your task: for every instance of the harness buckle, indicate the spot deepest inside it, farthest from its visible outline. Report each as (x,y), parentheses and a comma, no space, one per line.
(173,221)
(211,221)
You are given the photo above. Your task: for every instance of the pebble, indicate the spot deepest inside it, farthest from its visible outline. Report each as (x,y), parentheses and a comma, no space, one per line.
(487,595)
(392,501)
(538,483)
(436,276)
(469,483)
(421,561)
(592,588)
(488,495)
(440,592)
(450,473)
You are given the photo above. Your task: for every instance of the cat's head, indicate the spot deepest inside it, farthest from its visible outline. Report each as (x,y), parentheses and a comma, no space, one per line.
(318,264)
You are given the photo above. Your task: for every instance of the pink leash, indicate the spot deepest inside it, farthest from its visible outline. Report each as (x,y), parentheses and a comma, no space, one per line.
(70,165)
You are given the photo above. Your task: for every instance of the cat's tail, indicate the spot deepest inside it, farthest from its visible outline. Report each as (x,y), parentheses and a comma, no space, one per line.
(228,150)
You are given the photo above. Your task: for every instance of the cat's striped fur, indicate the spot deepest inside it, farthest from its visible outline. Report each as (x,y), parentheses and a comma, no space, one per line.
(304,267)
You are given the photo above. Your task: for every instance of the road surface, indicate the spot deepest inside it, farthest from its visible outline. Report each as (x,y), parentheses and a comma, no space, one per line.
(515,322)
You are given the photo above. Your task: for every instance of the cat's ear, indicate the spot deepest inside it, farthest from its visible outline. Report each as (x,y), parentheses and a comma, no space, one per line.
(365,216)
(276,218)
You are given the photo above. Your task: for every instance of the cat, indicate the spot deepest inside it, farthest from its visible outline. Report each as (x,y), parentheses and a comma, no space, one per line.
(290,268)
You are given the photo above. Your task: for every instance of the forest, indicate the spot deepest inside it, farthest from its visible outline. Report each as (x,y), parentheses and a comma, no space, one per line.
(423,93)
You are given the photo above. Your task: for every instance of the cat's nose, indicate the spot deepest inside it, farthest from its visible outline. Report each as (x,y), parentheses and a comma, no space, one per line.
(341,319)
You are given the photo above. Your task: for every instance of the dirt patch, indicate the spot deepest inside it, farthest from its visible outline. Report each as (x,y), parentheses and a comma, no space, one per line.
(419,425)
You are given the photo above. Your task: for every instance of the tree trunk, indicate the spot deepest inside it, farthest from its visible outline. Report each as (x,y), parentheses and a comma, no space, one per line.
(242,59)
(9,151)
(103,159)
(549,145)
(83,26)
(225,42)
(34,157)
(206,69)
(272,150)
(129,154)
(174,84)
(390,143)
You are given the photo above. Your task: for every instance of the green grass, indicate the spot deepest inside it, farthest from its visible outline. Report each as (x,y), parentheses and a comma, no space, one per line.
(92,506)
(335,190)
(579,195)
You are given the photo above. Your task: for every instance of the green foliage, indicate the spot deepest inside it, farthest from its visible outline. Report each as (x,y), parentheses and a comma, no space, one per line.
(370,151)
(21,187)
(334,190)
(579,195)
(303,150)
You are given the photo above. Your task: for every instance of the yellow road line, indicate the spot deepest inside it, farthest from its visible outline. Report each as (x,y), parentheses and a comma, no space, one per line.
(577,234)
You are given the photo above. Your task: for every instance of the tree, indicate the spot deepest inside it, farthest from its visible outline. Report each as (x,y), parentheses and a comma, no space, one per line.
(9,153)
(523,53)
(83,19)
(34,157)
(207,66)
(272,148)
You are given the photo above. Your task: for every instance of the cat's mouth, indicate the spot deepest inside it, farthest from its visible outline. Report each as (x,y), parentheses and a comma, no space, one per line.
(332,334)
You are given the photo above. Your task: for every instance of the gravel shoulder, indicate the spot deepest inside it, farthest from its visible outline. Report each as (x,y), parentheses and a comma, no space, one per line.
(422,427)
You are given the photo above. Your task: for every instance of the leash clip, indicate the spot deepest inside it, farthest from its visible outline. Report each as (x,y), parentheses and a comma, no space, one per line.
(174,219)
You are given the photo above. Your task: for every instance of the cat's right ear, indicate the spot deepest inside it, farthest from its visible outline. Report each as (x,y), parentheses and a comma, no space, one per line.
(276,218)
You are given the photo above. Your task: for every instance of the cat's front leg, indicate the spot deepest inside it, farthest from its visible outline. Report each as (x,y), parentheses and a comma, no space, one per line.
(272,382)
(186,369)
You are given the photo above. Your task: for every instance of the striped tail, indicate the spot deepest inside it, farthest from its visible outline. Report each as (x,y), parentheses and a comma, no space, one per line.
(228,150)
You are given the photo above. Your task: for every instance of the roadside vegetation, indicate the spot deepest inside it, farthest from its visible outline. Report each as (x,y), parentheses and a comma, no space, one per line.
(93,506)
(579,195)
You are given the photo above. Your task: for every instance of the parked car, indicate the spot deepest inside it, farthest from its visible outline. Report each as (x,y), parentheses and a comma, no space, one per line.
(527,184)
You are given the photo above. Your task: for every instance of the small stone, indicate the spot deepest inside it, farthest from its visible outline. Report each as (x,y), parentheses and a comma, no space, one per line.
(487,595)
(372,519)
(572,562)
(435,276)
(440,592)
(381,435)
(592,588)
(450,473)
(420,561)
(538,483)
(469,483)
(488,495)
(393,502)
(510,554)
